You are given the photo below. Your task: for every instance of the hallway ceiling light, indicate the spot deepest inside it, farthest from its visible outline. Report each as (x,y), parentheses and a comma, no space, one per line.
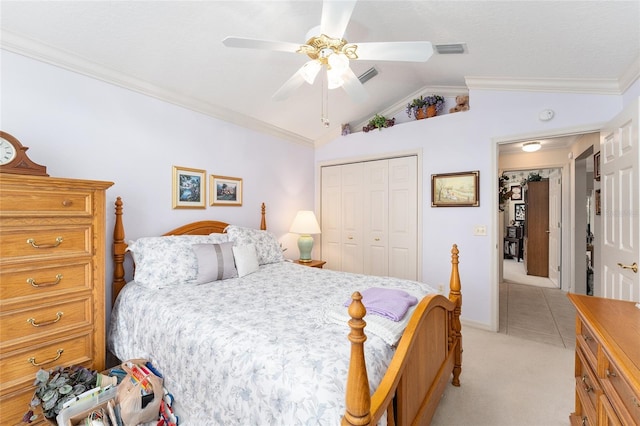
(531,146)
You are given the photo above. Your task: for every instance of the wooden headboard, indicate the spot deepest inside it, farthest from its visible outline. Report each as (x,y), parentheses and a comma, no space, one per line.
(204,227)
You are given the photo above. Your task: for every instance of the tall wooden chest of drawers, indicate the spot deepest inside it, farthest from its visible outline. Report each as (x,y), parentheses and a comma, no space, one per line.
(607,366)
(52,294)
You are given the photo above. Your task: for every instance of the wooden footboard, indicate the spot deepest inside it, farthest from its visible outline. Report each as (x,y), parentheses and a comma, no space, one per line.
(429,353)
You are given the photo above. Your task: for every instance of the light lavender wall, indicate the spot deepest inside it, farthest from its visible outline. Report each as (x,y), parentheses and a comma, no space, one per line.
(468,141)
(83,128)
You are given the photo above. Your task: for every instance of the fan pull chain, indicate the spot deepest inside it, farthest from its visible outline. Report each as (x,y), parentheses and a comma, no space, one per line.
(325,101)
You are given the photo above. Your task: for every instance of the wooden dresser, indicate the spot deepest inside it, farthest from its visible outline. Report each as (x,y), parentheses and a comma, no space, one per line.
(52,294)
(607,367)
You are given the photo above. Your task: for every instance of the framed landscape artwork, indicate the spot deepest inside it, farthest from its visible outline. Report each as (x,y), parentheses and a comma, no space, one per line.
(225,191)
(455,189)
(188,190)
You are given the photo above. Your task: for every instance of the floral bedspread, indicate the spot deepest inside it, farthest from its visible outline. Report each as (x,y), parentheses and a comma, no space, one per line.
(256,350)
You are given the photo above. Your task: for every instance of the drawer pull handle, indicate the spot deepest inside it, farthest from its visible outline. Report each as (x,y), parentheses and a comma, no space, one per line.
(633,267)
(584,421)
(586,337)
(33,362)
(587,388)
(34,245)
(377,239)
(610,373)
(52,283)
(33,322)
(67,203)
(350,237)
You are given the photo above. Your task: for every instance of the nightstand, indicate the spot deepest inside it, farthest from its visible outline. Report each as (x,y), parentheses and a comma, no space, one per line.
(312,264)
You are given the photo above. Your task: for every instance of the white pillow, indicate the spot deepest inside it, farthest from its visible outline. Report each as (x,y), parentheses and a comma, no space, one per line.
(246,259)
(166,261)
(267,246)
(215,262)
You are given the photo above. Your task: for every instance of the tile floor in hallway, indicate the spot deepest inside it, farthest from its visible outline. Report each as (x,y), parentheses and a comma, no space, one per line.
(534,313)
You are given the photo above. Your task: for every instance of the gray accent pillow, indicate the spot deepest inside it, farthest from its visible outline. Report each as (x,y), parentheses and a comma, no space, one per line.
(215,262)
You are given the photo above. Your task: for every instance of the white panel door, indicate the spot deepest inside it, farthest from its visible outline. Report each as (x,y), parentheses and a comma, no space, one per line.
(620,186)
(331,216)
(351,238)
(555,215)
(403,217)
(376,217)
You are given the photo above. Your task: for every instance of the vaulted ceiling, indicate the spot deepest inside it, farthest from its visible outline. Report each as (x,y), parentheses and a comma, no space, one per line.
(173,50)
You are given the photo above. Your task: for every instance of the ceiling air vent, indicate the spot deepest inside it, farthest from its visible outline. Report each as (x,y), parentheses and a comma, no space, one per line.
(367,75)
(451,49)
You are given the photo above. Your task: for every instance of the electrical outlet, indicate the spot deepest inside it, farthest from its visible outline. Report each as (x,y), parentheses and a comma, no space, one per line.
(480,230)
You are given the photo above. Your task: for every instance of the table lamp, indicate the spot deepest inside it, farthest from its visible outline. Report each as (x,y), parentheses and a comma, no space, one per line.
(305,224)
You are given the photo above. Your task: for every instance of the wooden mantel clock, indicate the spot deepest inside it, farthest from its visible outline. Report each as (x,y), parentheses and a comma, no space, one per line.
(13,158)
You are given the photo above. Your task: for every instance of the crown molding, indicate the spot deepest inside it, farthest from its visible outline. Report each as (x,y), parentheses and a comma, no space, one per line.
(592,86)
(43,53)
(630,76)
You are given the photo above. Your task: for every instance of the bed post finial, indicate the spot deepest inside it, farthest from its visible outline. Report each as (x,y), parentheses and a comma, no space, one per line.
(358,399)
(119,248)
(263,221)
(456,297)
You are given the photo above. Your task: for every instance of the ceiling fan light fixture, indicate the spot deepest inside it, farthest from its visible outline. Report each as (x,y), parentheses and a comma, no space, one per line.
(310,70)
(531,146)
(338,62)
(334,79)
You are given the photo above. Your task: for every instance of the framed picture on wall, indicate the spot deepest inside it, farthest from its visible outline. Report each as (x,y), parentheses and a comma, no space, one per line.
(519,212)
(188,190)
(596,166)
(455,189)
(225,191)
(516,192)
(597,202)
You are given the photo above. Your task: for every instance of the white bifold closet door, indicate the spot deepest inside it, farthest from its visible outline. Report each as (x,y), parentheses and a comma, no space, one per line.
(369,217)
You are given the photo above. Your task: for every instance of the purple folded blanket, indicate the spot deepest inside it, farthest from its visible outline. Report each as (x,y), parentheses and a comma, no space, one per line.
(385,302)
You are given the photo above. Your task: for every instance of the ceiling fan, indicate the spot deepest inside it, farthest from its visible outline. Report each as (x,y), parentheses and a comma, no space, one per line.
(327,49)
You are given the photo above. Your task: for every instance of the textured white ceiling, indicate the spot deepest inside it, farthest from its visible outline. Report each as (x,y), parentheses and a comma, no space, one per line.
(173,50)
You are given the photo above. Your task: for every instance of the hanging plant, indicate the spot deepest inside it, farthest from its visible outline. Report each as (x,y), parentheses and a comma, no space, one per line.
(504,193)
(379,122)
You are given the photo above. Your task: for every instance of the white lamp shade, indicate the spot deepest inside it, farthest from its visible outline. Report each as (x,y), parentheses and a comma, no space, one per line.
(305,223)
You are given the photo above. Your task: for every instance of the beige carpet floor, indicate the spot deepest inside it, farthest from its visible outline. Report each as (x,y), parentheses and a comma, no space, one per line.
(513,271)
(509,381)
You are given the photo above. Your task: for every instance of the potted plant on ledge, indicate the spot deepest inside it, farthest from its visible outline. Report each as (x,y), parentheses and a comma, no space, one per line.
(425,107)
(378,122)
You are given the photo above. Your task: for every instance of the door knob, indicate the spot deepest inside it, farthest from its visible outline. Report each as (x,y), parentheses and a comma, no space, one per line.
(633,267)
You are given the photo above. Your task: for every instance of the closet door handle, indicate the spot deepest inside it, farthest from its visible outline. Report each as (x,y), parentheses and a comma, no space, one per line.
(633,267)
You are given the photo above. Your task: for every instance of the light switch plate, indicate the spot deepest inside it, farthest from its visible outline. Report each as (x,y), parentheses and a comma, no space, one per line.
(480,230)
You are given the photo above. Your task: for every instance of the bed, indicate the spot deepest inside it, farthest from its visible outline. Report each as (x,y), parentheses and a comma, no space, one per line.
(270,346)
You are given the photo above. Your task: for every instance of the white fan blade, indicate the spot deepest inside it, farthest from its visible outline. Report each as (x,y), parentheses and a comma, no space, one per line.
(295,81)
(335,17)
(353,87)
(252,43)
(406,51)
